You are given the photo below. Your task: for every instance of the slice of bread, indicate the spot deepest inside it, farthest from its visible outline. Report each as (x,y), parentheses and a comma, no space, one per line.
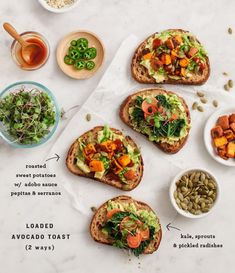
(99,220)
(140,73)
(130,101)
(108,179)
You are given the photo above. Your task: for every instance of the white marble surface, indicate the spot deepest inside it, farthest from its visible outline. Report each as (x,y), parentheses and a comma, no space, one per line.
(113,21)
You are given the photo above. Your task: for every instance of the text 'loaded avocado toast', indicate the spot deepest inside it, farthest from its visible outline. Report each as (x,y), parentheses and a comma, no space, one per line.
(127,224)
(106,155)
(160,115)
(171,56)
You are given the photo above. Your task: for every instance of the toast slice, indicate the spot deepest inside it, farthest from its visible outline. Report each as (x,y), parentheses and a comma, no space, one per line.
(99,219)
(170,148)
(141,74)
(108,178)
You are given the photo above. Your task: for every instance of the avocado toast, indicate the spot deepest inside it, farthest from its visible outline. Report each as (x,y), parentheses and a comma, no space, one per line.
(162,116)
(106,155)
(127,224)
(173,56)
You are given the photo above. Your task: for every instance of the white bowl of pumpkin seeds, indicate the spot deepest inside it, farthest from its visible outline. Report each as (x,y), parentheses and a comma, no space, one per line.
(194,193)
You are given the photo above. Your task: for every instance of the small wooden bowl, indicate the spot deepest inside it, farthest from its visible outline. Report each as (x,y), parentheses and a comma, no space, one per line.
(62,50)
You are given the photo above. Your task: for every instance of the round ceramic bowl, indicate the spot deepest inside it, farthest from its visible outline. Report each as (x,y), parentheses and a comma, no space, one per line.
(62,50)
(58,10)
(29,85)
(211,122)
(173,188)
(16,48)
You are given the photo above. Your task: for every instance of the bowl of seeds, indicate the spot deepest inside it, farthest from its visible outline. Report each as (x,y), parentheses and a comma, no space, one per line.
(194,193)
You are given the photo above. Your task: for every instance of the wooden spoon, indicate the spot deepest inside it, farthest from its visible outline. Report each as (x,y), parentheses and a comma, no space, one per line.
(29,51)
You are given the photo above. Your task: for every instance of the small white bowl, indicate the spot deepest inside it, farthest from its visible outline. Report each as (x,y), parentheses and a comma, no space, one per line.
(211,122)
(60,10)
(173,188)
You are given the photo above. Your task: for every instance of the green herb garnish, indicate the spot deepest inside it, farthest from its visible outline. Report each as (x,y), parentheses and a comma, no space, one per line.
(27,115)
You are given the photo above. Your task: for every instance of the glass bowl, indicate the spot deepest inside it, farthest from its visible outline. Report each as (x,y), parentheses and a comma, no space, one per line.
(16,49)
(29,85)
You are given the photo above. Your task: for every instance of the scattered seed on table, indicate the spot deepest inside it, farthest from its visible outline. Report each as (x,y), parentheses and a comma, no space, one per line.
(94,209)
(200,108)
(215,103)
(88,117)
(230,83)
(200,94)
(226,87)
(225,73)
(203,100)
(195,105)
(230,31)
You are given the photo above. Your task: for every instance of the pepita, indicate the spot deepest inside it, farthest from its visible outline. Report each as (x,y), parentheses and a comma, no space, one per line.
(230,83)
(226,87)
(195,105)
(200,94)
(203,100)
(230,31)
(215,103)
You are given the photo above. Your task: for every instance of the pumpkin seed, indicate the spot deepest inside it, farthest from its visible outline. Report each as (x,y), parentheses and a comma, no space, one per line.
(226,87)
(181,197)
(230,31)
(203,100)
(195,192)
(230,83)
(94,209)
(175,194)
(200,94)
(225,73)
(215,103)
(195,105)
(88,117)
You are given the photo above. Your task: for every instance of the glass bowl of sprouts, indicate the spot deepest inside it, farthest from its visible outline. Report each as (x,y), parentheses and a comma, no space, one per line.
(29,114)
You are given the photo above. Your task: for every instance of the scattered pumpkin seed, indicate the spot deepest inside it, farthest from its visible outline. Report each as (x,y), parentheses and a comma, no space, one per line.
(200,94)
(230,83)
(203,100)
(88,117)
(230,31)
(94,209)
(226,87)
(215,103)
(200,108)
(195,105)
(225,73)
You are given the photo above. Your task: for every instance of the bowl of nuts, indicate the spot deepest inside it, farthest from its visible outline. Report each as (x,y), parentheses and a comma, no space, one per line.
(194,193)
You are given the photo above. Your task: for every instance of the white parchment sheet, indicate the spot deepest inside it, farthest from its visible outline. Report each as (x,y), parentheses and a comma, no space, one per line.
(159,169)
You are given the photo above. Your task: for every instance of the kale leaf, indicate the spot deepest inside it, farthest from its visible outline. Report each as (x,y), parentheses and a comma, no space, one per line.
(138,114)
(163,101)
(139,100)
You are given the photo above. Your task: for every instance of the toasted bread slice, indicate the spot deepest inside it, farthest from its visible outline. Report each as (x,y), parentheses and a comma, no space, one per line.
(108,179)
(99,220)
(140,73)
(130,100)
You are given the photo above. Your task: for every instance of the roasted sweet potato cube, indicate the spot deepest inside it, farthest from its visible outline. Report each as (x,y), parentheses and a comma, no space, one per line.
(231,150)
(229,134)
(222,151)
(232,118)
(232,126)
(223,121)
(169,43)
(192,52)
(220,141)
(217,131)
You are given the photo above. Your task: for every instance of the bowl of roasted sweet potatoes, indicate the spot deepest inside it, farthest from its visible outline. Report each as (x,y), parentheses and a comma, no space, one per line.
(219,136)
